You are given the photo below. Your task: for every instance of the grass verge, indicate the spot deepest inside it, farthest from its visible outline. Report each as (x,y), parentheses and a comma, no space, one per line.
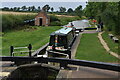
(112,45)
(91,49)
(38,37)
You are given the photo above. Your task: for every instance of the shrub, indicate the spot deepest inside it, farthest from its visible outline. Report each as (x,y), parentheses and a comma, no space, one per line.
(10,22)
(53,18)
(66,20)
(55,23)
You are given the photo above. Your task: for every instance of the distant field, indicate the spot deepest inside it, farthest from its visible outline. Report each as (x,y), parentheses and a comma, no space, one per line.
(37,36)
(17,13)
(30,13)
(64,16)
(91,49)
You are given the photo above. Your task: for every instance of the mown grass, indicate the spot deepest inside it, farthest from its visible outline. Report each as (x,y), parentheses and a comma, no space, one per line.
(112,45)
(91,49)
(37,37)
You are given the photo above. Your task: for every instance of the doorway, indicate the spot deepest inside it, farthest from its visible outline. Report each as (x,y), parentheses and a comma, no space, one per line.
(40,22)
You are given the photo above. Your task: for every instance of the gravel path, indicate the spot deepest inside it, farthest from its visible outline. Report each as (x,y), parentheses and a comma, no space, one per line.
(106,46)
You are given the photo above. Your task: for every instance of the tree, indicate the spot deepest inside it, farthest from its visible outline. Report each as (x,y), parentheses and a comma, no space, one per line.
(15,9)
(18,9)
(52,9)
(23,8)
(62,9)
(5,9)
(78,11)
(106,12)
(39,8)
(46,8)
(29,8)
(70,10)
(11,9)
(33,8)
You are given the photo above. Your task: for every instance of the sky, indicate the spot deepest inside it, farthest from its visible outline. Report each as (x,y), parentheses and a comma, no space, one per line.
(55,5)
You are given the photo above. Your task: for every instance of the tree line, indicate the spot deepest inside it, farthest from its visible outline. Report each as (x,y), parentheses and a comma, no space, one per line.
(11,22)
(47,8)
(106,12)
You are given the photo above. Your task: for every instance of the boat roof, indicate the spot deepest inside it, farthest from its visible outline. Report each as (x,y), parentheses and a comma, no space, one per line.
(62,31)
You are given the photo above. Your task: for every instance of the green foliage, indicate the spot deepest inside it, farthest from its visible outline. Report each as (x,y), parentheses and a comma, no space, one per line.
(78,11)
(37,36)
(59,13)
(46,8)
(60,21)
(66,20)
(70,10)
(53,18)
(52,9)
(107,12)
(10,22)
(91,49)
(62,9)
(5,9)
(54,21)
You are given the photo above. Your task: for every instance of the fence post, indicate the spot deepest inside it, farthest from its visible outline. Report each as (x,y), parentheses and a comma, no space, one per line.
(30,48)
(11,50)
(69,53)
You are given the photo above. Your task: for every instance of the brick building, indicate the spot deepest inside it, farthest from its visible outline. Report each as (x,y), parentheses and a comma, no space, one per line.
(42,19)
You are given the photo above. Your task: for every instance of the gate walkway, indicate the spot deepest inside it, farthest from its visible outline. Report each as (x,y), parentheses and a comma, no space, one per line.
(88,73)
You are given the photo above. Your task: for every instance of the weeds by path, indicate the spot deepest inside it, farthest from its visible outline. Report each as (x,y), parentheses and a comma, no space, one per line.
(106,46)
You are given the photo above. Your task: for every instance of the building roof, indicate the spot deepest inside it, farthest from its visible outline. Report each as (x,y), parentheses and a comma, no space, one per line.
(62,31)
(43,13)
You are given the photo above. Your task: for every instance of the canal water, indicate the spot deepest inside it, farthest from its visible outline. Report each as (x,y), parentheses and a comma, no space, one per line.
(80,24)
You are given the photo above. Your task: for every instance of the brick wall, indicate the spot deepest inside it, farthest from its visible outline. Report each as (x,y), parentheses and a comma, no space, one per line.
(44,16)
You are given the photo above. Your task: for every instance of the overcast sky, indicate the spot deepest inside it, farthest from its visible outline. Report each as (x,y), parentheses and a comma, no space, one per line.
(55,5)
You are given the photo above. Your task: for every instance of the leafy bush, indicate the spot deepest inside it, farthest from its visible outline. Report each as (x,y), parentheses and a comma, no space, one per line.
(10,22)
(55,23)
(106,12)
(53,18)
(66,20)
(61,20)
